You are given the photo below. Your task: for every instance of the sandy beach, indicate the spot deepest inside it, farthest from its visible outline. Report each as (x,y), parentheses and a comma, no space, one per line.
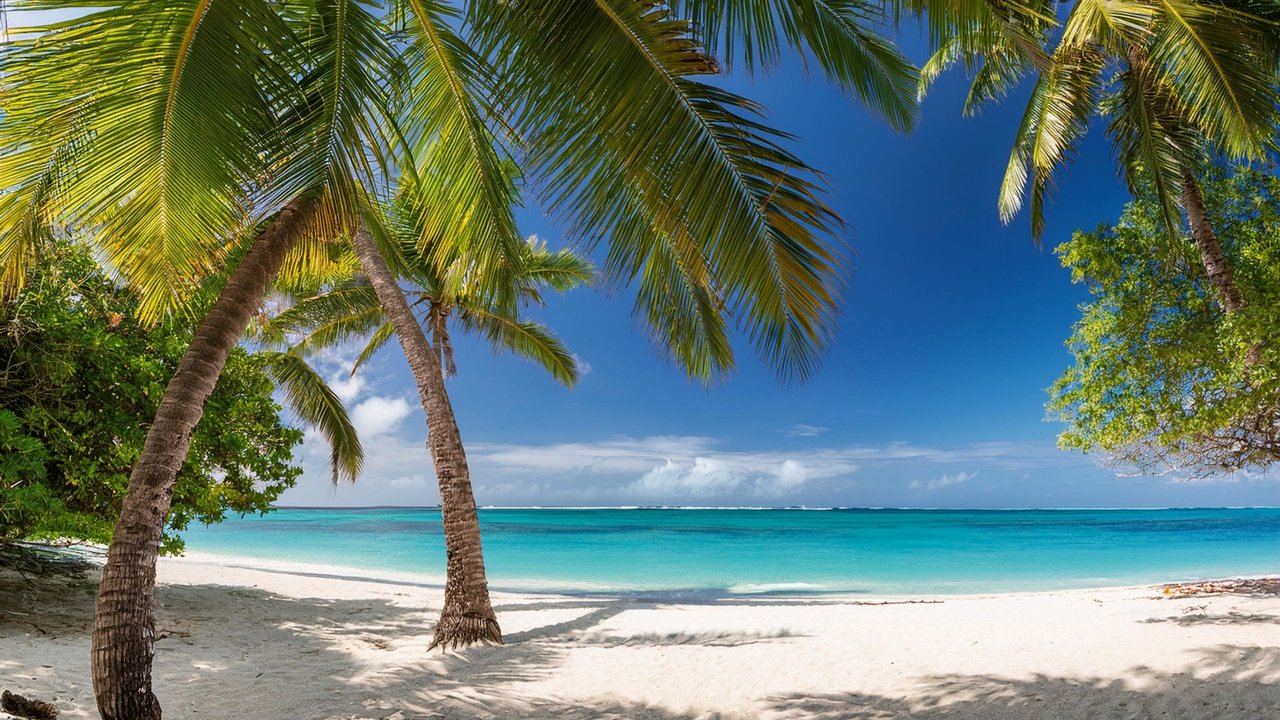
(239,641)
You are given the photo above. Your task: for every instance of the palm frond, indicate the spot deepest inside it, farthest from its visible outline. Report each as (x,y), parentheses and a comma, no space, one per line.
(461,183)
(379,338)
(172,131)
(1056,118)
(332,318)
(844,37)
(562,270)
(1222,74)
(529,340)
(316,404)
(341,127)
(609,106)
(1152,143)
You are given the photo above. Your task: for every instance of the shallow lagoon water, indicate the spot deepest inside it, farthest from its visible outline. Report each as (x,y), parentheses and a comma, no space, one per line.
(713,552)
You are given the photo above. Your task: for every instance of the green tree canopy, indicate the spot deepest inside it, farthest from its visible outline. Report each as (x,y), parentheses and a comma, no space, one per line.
(1162,380)
(80,380)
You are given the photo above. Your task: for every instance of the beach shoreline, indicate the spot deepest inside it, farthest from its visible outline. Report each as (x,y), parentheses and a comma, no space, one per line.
(243,638)
(578,591)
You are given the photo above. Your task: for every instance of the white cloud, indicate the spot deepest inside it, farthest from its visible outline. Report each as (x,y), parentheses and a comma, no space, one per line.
(379,415)
(944,481)
(659,469)
(802,430)
(790,476)
(620,455)
(700,478)
(409,481)
(346,386)
(584,367)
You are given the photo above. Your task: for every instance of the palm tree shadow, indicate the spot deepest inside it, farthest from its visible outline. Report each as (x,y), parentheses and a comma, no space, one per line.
(1229,618)
(1229,681)
(368,658)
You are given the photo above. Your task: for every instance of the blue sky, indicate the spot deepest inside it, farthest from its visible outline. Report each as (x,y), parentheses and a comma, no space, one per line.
(932,396)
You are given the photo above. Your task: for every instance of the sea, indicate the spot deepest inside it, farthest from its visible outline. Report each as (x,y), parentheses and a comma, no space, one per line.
(692,553)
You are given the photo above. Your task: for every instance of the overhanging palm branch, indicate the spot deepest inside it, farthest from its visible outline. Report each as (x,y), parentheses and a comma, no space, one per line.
(167,135)
(627,145)
(842,36)
(1186,80)
(315,403)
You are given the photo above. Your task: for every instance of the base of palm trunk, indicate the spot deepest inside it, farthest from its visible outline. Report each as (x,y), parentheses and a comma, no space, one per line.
(459,629)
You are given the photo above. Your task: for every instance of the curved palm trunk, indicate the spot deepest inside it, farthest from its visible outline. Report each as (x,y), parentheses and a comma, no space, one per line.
(1206,240)
(124,623)
(467,616)
(1215,262)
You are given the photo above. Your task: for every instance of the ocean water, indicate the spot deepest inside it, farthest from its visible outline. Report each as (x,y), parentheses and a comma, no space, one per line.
(699,552)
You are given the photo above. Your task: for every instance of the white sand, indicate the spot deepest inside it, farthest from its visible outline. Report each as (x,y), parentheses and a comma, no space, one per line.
(296,642)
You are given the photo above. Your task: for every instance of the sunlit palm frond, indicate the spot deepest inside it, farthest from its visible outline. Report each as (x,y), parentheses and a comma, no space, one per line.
(172,106)
(843,36)
(1153,144)
(529,340)
(1056,118)
(460,180)
(1107,23)
(316,404)
(321,258)
(332,318)
(559,270)
(340,128)
(609,104)
(26,213)
(1222,73)
(376,340)
(978,27)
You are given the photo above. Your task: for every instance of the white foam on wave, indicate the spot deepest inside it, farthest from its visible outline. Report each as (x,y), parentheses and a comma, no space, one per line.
(760,588)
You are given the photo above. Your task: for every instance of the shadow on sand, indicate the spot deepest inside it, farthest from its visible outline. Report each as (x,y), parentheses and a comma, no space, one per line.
(1217,689)
(367,659)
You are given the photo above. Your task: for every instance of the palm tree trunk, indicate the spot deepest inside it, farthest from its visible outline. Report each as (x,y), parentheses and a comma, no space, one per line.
(467,616)
(1206,240)
(1215,262)
(124,623)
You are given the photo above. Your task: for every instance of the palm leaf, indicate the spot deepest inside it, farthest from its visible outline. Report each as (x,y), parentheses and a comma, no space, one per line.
(1152,143)
(308,395)
(609,108)
(460,182)
(1223,76)
(526,339)
(379,338)
(172,131)
(841,35)
(1055,120)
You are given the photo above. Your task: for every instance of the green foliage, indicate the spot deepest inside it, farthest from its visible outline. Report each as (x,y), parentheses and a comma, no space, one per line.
(79,381)
(447,292)
(1163,379)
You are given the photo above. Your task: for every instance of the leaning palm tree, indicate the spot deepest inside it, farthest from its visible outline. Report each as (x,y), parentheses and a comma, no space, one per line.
(1179,82)
(164,131)
(445,292)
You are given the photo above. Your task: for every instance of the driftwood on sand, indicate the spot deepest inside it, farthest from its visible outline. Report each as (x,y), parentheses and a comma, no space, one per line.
(24,708)
(1254,586)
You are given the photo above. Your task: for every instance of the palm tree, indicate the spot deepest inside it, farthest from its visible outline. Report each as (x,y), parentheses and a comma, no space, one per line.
(1179,81)
(355,309)
(168,131)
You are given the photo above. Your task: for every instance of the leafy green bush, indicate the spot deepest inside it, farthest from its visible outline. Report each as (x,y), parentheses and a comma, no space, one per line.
(80,380)
(1164,380)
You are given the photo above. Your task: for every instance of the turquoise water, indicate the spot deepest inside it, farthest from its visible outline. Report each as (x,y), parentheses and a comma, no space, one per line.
(684,553)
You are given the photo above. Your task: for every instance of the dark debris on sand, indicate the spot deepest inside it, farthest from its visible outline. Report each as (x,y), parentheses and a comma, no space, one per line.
(24,708)
(1254,586)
